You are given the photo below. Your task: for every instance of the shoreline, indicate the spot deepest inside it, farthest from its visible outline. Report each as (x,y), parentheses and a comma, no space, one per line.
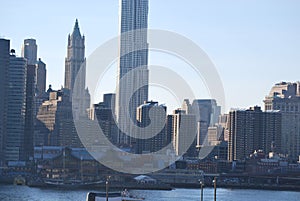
(292,188)
(267,187)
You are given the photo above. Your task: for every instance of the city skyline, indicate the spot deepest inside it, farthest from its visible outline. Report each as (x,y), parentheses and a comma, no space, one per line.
(239,42)
(141,105)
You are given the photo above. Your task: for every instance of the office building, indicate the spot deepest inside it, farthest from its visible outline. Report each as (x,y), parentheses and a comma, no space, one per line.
(55,125)
(103,112)
(41,77)
(30,112)
(285,96)
(16,107)
(4,66)
(155,126)
(29,51)
(207,114)
(184,132)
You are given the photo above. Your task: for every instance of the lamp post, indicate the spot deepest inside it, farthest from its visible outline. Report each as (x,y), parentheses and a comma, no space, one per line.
(107,181)
(215,188)
(201,195)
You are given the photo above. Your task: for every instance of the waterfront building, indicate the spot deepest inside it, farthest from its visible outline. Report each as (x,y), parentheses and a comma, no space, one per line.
(285,96)
(4,66)
(152,126)
(133,63)
(56,162)
(251,130)
(29,51)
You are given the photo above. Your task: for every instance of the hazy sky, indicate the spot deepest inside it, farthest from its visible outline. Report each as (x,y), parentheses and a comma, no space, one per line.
(253,43)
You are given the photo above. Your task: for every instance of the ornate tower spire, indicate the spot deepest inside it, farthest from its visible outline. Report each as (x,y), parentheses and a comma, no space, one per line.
(75,64)
(76,31)
(75,57)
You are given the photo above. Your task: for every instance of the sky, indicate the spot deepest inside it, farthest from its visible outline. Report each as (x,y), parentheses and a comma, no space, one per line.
(253,44)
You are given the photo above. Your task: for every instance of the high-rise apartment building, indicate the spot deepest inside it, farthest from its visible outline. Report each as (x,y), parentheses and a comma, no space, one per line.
(285,96)
(133,64)
(29,51)
(4,66)
(155,126)
(251,130)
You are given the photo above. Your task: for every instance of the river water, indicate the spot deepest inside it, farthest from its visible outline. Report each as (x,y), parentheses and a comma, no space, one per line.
(24,193)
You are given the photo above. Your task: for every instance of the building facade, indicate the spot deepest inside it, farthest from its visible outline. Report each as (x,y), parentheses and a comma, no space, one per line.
(207,114)
(29,51)
(132,83)
(4,66)
(251,130)
(75,72)
(30,113)
(103,112)
(155,126)
(285,96)
(41,77)
(184,132)
(16,107)
(55,125)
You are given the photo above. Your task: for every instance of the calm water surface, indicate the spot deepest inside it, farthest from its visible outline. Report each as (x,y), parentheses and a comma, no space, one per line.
(24,193)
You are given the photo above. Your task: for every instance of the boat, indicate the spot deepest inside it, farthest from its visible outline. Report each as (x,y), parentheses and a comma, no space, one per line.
(112,196)
(70,183)
(19,180)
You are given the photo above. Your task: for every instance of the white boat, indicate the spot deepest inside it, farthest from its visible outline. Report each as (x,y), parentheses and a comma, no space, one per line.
(70,183)
(112,196)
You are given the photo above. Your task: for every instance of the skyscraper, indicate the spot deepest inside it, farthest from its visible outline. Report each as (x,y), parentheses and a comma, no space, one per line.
(207,114)
(75,69)
(30,110)
(285,96)
(29,51)
(4,66)
(133,60)
(16,106)
(75,57)
(184,132)
(41,77)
